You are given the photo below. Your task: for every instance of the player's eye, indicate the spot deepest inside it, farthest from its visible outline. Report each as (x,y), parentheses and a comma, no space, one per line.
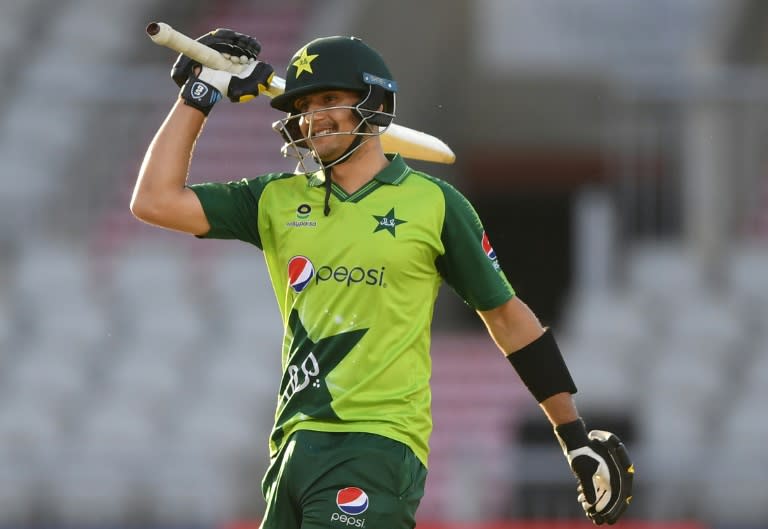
(301,105)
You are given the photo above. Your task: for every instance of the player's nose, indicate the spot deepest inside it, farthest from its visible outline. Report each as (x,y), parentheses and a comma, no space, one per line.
(315,120)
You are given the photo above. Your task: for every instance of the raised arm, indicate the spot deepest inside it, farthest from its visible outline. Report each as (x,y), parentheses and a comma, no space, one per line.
(160,196)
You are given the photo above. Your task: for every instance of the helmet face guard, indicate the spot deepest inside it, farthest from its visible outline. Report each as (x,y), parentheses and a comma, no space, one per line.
(335,63)
(371,123)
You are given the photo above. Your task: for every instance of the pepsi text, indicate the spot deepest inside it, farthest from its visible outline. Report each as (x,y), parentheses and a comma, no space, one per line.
(351,276)
(349,521)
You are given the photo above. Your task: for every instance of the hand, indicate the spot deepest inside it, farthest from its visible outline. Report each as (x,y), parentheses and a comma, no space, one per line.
(602,467)
(237,47)
(204,90)
(243,86)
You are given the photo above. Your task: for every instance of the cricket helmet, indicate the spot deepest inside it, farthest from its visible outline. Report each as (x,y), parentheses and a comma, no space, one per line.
(341,63)
(335,63)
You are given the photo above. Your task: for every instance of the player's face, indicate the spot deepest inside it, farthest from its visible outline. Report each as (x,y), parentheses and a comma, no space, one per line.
(328,127)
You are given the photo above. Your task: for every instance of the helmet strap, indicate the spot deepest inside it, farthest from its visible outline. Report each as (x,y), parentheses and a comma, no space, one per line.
(327,200)
(341,159)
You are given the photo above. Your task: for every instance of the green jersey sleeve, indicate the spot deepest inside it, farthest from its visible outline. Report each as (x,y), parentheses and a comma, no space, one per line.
(232,208)
(469,264)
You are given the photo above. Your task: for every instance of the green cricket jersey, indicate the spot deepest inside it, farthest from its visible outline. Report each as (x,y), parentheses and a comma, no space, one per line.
(356,291)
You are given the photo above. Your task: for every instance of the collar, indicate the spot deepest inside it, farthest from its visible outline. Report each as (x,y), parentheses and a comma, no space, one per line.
(393,174)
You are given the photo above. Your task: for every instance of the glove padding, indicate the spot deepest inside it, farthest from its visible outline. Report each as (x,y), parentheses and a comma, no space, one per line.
(237,47)
(603,469)
(243,86)
(202,87)
(204,90)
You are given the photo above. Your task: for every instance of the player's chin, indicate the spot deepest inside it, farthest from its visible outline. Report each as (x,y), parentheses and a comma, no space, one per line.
(328,153)
(320,146)
(328,149)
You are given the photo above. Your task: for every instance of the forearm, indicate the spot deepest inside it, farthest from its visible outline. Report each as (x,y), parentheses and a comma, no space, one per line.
(535,356)
(559,408)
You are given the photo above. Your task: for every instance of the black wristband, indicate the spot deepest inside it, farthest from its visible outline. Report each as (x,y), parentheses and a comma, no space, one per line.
(572,434)
(542,369)
(199,94)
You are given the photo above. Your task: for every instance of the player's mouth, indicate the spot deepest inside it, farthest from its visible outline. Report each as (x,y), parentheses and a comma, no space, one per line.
(323,132)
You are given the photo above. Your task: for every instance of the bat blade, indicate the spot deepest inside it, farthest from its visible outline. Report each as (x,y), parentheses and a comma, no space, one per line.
(410,143)
(416,145)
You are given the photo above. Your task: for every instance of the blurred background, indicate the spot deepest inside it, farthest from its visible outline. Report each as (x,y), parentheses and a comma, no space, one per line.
(615,149)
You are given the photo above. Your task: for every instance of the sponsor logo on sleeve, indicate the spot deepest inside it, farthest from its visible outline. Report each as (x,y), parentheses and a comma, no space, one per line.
(489,251)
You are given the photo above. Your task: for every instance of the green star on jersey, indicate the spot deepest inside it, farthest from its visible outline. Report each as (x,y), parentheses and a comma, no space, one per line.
(303,389)
(388,222)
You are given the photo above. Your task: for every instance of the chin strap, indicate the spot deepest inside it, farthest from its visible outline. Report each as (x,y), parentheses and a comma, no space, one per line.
(326,204)
(327,172)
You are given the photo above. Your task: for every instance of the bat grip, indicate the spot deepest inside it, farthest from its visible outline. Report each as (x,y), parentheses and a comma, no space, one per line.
(164,35)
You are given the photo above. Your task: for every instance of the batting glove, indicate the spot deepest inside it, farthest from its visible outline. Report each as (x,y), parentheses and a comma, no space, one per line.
(199,94)
(602,467)
(237,47)
(203,90)
(243,86)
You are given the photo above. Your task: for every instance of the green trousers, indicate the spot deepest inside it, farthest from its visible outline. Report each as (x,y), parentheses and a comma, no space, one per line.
(321,480)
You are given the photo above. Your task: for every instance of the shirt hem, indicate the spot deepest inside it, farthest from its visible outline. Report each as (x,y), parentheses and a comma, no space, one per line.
(421,455)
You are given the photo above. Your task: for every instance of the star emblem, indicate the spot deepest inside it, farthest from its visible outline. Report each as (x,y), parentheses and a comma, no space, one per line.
(304,63)
(388,222)
(303,389)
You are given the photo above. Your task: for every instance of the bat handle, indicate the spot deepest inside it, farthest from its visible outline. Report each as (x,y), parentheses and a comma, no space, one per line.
(164,35)
(153,28)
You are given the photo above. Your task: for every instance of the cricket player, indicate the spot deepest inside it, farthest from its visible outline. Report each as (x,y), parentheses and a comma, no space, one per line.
(356,248)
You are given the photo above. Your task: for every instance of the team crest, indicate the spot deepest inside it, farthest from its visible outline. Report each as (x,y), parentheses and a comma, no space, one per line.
(388,222)
(304,63)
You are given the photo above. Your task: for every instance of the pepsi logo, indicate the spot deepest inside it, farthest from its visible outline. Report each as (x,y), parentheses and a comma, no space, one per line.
(300,272)
(487,248)
(352,500)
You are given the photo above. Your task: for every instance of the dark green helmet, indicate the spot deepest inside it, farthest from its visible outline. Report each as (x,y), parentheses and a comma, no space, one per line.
(339,63)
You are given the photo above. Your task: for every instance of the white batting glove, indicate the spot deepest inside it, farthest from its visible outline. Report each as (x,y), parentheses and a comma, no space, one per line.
(602,467)
(243,86)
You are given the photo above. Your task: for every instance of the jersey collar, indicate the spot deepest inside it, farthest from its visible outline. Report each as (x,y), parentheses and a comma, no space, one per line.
(393,174)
